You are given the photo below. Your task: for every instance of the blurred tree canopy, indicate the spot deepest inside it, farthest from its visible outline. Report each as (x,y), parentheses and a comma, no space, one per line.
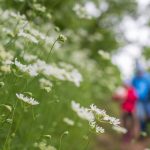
(86,55)
(99,32)
(103,26)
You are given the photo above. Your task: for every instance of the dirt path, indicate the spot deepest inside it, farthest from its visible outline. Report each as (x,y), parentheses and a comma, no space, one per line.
(109,142)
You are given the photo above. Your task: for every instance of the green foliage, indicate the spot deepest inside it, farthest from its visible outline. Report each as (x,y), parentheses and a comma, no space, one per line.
(49,54)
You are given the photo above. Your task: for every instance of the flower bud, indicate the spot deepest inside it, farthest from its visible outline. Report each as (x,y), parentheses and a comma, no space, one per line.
(62,38)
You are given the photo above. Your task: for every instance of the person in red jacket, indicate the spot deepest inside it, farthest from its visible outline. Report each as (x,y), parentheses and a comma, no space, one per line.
(127,97)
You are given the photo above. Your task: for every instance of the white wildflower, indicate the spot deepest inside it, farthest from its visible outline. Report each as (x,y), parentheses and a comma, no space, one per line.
(99,129)
(92,124)
(29,57)
(96,110)
(26,99)
(95,116)
(120,129)
(39,7)
(37,33)
(41,67)
(22,67)
(29,69)
(27,36)
(43,145)
(68,121)
(76,77)
(96,127)
(104,54)
(111,120)
(17,15)
(45,84)
(59,73)
(81,12)
(81,111)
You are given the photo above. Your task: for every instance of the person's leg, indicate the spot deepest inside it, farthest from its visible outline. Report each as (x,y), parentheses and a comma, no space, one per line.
(128,124)
(141,115)
(124,123)
(136,125)
(148,117)
(133,125)
(143,125)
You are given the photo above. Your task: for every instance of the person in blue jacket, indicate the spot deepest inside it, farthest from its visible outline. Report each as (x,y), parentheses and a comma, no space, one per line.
(141,83)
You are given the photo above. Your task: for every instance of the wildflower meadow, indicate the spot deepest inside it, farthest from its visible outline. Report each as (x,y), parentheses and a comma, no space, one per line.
(57,74)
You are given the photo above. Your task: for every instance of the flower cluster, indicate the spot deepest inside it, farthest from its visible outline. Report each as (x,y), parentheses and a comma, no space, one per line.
(96,127)
(28,36)
(104,54)
(81,12)
(82,112)
(45,84)
(68,121)
(120,129)
(44,146)
(29,57)
(41,67)
(6,58)
(28,100)
(95,116)
(29,69)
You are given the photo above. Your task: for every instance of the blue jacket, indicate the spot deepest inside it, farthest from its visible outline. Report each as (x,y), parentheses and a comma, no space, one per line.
(142,86)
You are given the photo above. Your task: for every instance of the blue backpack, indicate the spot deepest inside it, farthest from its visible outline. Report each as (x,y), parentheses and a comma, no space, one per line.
(142,86)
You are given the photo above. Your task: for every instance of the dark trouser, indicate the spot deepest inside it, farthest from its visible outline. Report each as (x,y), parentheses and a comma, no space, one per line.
(128,120)
(143,114)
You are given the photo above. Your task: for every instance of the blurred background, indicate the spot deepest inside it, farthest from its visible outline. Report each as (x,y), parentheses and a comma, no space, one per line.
(91,45)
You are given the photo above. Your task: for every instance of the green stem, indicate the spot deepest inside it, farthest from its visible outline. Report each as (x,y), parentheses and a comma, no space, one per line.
(9,131)
(60,141)
(51,49)
(87,145)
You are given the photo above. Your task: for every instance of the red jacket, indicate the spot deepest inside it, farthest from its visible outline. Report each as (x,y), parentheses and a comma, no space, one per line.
(129,102)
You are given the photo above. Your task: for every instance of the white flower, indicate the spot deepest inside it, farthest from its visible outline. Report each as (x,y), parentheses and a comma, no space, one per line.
(104,54)
(96,110)
(43,145)
(81,111)
(28,36)
(94,116)
(81,12)
(41,67)
(60,73)
(29,57)
(68,121)
(92,124)
(20,66)
(31,70)
(112,120)
(99,129)
(76,77)
(120,129)
(39,7)
(45,84)
(26,99)
(37,33)
(17,15)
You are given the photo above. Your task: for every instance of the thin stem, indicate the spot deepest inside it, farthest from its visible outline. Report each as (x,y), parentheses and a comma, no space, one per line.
(9,131)
(61,141)
(87,145)
(51,49)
